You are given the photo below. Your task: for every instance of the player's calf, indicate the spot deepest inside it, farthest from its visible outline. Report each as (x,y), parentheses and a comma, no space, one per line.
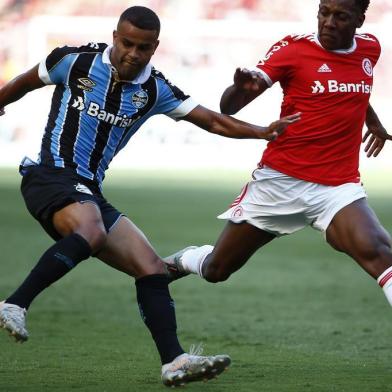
(214,273)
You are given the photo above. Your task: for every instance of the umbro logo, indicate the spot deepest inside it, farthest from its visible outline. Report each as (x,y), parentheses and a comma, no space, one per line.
(324,68)
(83,189)
(86,84)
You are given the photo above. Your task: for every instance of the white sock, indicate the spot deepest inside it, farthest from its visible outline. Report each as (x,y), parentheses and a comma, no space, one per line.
(193,259)
(385,282)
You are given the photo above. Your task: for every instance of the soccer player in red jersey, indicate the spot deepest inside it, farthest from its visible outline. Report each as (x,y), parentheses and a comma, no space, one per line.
(309,175)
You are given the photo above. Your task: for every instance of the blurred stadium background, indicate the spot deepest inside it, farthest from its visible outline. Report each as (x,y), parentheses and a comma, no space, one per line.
(202,42)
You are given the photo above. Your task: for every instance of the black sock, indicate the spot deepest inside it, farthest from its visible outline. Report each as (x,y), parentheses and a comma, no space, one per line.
(54,264)
(158,313)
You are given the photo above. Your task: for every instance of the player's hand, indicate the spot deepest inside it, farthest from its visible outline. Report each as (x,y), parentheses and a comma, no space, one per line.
(376,136)
(246,80)
(278,127)
(2,111)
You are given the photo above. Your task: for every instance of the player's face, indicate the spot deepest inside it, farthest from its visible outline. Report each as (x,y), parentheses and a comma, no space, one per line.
(337,23)
(132,49)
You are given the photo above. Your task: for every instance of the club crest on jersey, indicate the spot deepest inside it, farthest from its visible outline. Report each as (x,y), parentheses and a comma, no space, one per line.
(367,67)
(139,99)
(86,84)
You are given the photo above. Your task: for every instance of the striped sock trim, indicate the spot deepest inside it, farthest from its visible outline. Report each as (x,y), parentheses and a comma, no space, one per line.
(385,277)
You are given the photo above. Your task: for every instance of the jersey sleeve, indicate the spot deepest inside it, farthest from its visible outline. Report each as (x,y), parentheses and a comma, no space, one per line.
(279,61)
(375,47)
(182,109)
(54,69)
(172,101)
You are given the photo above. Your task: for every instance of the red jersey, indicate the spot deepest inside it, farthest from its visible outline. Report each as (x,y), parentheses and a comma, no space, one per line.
(332,90)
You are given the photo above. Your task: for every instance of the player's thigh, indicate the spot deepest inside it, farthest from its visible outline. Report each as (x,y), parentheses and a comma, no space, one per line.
(78,217)
(356,230)
(64,203)
(237,243)
(128,250)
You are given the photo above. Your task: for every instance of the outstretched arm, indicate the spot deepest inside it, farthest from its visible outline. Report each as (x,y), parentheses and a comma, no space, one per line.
(224,125)
(247,86)
(376,135)
(18,87)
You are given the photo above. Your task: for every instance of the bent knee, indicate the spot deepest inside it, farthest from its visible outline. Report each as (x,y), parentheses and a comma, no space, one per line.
(154,266)
(96,237)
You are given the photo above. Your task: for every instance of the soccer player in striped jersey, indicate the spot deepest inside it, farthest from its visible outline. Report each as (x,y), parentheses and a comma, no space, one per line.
(103,95)
(309,175)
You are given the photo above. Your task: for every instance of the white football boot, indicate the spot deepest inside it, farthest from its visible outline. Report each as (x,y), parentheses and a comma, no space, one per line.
(192,367)
(173,263)
(13,319)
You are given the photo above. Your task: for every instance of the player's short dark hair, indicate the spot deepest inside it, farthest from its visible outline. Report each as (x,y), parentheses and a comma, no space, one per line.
(363,5)
(142,17)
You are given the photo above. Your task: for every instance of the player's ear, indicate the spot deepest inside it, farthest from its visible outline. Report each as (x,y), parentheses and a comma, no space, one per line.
(361,20)
(156,45)
(114,34)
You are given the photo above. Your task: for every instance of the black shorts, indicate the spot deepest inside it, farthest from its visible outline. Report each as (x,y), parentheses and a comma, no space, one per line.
(49,189)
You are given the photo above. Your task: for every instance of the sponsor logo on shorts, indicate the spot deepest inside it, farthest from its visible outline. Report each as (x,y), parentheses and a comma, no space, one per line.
(83,189)
(238,212)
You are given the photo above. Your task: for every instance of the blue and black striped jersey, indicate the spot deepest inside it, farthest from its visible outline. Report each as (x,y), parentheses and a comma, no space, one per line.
(93,114)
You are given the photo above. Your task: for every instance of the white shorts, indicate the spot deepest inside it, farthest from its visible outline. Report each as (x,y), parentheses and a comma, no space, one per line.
(280,204)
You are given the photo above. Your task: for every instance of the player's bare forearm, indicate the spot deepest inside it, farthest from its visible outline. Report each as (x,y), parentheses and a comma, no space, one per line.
(227,126)
(19,86)
(12,92)
(371,117)
(223,125)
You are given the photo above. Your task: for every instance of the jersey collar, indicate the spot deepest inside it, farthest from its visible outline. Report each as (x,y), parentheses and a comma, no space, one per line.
(143,76)
(340,51)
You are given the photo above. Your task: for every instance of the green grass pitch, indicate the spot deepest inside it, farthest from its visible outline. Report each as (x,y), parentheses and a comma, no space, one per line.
(298,317)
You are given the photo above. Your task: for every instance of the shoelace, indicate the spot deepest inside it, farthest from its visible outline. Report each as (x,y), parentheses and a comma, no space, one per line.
(185,361)
(196,349)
